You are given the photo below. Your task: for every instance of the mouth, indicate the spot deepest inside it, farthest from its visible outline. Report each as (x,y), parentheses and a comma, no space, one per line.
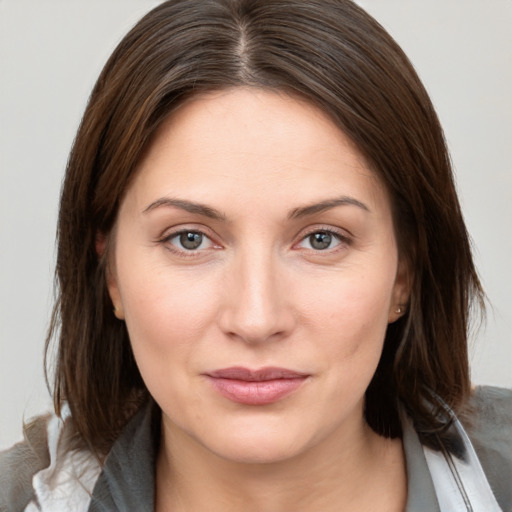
(256,387)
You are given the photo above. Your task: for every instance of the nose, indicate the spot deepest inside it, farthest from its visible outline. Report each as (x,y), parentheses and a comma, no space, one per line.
(257,305)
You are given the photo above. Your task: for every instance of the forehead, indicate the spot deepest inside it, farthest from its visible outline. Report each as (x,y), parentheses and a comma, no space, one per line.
(253,143)
(253,119)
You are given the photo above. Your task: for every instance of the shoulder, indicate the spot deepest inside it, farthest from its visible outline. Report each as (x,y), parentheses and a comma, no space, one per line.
(43,473)
(21,462)
(490,416)
(489,426)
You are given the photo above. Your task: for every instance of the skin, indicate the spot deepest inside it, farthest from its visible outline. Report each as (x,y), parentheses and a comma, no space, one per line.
(258,293)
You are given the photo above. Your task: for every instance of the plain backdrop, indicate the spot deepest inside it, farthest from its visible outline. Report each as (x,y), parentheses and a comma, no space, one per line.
(51,52)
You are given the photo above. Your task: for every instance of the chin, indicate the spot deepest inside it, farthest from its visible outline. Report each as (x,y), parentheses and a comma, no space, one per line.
(252,452)
(257,443)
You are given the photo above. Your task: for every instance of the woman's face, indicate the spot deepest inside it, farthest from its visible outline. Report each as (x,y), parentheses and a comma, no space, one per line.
(256,268)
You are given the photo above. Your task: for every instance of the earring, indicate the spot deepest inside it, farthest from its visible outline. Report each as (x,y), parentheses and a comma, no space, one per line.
(397,312)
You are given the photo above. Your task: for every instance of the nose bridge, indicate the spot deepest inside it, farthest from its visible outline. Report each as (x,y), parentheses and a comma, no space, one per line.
(255,307)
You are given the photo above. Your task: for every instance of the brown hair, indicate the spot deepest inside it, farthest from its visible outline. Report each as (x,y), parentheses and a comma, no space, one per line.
(336,56)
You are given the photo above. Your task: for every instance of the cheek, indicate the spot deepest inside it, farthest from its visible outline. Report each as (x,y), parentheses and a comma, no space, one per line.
(165,311)
(353,307)
(348,321)
(167,316)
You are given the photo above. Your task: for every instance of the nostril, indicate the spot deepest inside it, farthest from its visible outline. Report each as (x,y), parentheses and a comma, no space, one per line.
(254,307)
(256,325)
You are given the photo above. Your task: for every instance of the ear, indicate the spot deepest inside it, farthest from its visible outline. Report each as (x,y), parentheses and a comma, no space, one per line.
(115,296)
(401,291)
(101,243)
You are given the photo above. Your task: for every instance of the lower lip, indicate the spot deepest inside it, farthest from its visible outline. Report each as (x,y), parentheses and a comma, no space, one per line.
(256,392)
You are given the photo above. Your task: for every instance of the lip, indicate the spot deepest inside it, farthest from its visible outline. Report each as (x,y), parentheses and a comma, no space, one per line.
(256,387)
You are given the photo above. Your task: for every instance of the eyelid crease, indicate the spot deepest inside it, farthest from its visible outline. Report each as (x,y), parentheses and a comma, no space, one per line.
(343,234)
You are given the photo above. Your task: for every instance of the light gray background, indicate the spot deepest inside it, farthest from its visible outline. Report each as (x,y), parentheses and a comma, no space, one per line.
(51,52)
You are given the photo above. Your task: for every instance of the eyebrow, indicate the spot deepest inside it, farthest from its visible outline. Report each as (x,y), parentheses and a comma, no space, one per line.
(212,213)
(322,206)
(188,206)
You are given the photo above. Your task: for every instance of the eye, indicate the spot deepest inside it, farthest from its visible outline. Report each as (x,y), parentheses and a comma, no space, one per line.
(321,240)
(189,241)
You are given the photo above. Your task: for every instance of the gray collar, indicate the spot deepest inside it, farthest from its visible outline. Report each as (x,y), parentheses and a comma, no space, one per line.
(421,494)
(127,482)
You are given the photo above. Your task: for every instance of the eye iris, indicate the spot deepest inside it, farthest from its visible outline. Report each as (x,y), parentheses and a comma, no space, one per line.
(320,240)
(191,240)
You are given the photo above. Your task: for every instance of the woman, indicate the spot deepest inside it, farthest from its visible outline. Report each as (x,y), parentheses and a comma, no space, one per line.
(265,281)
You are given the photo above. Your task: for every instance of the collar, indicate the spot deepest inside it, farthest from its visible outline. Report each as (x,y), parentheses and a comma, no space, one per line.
(127,480)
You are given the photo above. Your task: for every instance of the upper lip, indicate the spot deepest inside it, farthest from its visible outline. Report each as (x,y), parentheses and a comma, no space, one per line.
(259,375)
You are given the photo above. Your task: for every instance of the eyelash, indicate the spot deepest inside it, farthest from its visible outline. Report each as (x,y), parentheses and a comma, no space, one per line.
(343,240)
(166,240)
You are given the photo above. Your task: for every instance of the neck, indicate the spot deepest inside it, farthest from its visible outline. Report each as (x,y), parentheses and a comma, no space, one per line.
(357,471)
